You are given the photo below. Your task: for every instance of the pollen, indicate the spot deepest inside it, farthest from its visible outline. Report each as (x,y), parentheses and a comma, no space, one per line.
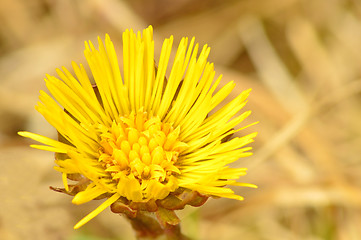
(141,150)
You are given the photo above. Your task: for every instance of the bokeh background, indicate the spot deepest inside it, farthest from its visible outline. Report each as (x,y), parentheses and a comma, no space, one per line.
(302,58)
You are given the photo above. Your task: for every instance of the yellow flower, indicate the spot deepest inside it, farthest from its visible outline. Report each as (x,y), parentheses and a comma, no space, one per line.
(139,135)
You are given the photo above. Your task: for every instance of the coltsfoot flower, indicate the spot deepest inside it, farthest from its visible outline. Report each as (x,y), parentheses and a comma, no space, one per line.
(138,139)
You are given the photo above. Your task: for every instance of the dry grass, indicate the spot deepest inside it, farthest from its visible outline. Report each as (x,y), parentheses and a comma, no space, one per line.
(302,59)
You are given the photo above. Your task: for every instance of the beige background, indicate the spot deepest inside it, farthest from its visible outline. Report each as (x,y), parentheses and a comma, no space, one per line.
(303,60)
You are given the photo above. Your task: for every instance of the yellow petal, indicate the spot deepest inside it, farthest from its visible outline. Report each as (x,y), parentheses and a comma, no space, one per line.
(98,210)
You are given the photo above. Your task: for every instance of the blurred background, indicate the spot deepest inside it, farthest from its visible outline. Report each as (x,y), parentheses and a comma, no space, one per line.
(301,58)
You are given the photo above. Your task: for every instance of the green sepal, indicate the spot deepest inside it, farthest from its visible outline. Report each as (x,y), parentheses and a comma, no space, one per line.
(167,217)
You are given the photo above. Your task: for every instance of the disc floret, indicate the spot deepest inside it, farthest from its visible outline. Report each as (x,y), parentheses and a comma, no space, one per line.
(142,151)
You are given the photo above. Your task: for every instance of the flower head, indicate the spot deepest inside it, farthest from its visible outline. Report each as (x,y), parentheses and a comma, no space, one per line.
(138,136)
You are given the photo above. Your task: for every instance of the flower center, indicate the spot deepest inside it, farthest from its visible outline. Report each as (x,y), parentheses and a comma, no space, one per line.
(142,148)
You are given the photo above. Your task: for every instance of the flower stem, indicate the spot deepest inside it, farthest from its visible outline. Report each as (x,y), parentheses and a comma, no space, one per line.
(174,233)
(148,227)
